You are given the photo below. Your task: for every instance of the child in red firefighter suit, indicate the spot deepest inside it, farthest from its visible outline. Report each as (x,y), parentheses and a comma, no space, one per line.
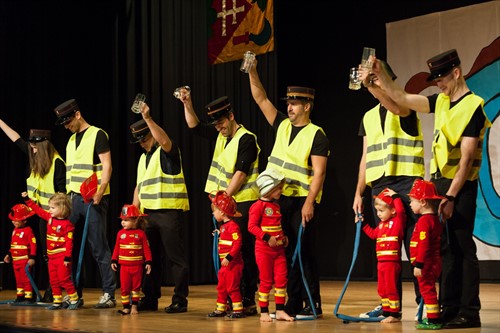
(389,237)
(425,247)
(264,222)
(229,248)
(59,247)
(131,252)
(22,252)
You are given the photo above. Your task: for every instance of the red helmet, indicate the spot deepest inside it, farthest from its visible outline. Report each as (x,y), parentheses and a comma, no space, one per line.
(225,203)
(20,212)
(385,197)
(130,211)
(423,189)
(89,188)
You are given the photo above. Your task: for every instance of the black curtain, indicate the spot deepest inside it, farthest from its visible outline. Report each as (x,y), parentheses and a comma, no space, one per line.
(102,52)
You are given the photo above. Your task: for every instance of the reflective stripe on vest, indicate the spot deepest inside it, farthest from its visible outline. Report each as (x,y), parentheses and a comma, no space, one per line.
(292,160)
(158,190)
(80,161)
(41,189)
(222,168)
(391,152)
(448,129)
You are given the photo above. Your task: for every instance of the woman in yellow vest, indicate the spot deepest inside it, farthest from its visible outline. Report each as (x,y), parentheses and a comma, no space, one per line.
(46,176)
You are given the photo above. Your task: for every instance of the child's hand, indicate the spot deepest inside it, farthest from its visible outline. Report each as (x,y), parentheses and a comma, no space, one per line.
(31,262)
(390,192)
(224,262)
(272,241)
(24,194)
(215,231)
(148,269)
(114,266)
(359,218)
(6,259)
(417,272)
(67,263)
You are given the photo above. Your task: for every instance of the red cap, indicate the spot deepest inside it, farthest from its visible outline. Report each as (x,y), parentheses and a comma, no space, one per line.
(423,189)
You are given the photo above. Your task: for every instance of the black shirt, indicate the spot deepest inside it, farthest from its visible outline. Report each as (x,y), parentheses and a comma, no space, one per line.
(321,145)
(247,148)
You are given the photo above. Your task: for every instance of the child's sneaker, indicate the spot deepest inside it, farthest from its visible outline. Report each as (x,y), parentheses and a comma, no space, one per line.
(425,325)
(377,312)
(106,301)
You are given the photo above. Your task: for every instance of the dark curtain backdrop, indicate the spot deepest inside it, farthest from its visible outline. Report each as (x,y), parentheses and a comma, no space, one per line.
(102,52)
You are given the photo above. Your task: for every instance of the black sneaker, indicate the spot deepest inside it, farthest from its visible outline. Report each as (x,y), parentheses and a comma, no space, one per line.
(307,313)
(176,308)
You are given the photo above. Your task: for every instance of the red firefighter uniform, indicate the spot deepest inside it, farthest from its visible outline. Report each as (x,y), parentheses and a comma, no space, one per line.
(265,221)
(425,253)
(131,252)
(389,237)
(229,247)
(22,248)
(59,247)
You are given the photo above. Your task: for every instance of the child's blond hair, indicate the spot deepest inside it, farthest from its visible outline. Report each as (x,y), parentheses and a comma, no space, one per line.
(62,201)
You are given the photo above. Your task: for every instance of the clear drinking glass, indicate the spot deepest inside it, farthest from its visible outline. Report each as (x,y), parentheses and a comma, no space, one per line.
(182,91)
(138,102)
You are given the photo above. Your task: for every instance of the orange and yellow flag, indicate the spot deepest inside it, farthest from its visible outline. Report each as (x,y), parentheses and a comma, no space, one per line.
(237,26)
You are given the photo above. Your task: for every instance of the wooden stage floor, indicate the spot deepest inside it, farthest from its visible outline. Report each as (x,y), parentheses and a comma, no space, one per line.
(359,297)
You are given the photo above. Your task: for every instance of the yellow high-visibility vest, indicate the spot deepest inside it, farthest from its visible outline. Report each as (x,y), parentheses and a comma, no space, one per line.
(292,160)
(80,161)
(449,125)
(222,168)
(41,189)
(390,151)
(158,190)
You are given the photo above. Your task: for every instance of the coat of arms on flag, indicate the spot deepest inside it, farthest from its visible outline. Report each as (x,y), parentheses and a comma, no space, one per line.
(237,26)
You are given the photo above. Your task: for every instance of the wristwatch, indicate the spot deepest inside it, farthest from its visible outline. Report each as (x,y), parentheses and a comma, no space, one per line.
(449,197)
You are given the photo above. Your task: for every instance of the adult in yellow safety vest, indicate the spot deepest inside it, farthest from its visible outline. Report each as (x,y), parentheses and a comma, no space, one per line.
(87,152)
(161,193)
(459,127)
(234,169)
(300,152)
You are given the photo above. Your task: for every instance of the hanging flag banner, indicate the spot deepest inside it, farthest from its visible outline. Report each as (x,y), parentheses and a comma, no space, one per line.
(237,26)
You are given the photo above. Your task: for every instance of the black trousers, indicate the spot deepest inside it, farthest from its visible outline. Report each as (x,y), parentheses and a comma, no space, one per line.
(165,235)
(291,211)
(459,285)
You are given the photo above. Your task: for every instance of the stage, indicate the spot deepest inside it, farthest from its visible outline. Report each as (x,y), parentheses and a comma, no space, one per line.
(359,297)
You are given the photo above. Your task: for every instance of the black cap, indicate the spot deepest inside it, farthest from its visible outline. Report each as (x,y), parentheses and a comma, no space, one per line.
(65,111)
(302,93)
(218,109)
(138,131)
(442,64)
(39,135)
